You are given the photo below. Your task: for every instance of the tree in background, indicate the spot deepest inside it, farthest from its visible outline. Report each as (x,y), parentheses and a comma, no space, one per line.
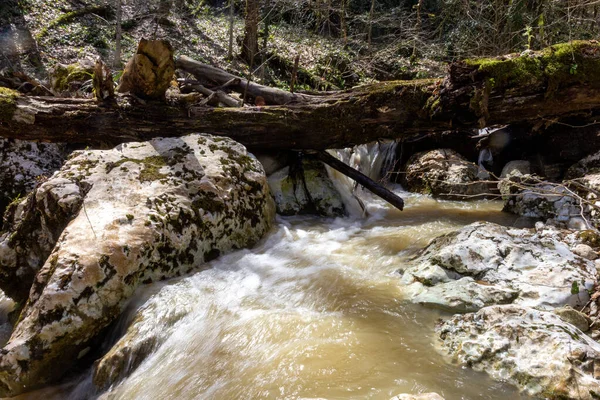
(118,17)
(250,41)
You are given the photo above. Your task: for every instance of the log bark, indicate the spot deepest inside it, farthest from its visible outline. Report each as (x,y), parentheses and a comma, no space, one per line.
(250,41)
(531,88)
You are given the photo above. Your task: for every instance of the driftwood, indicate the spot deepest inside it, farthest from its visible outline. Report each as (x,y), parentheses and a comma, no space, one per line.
(218,95)
(360,178)
(538,86)
(218,77)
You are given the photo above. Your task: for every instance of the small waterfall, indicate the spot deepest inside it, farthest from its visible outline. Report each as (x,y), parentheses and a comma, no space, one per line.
(375,160)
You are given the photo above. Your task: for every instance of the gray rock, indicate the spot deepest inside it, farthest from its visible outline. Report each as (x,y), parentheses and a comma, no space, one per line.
(540,200)
(585,251)
(534,350)
(444,173)
(135,214)
(573,317)
(306,191)
(515,168)
(25,163)
(484,263)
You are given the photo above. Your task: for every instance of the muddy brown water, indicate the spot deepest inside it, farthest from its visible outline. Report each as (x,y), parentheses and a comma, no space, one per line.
(314,311)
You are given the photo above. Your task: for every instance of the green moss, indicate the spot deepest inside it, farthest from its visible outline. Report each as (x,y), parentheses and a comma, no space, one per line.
(591,238)
(555,67)
(8,103)
(574,288)
(70,16)
(64,75)
(518,71)
(150,167)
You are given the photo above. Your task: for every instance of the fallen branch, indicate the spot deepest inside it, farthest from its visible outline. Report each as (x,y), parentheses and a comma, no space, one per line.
(218,77)
(360,178)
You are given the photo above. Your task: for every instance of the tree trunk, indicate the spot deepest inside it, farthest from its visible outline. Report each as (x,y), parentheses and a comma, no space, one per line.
(117,56)
(536,89)
(217,77)
(250,42)
(370,27)
(231,20)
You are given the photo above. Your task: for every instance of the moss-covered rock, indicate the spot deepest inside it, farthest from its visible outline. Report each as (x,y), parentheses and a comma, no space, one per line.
(69,77)
(8,103)
(207,196)
(306,189)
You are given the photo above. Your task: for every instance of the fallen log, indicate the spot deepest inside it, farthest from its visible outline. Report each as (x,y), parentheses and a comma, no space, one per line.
(476,93)
(360,178)
(218,77)
(218,95)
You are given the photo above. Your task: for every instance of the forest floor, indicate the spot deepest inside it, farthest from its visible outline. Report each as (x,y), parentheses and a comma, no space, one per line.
(66,31)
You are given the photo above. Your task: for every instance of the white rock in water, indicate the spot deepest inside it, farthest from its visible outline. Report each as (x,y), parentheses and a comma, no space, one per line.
(444,173)
(485,263)
(534,350)
(422,396)
(109,221)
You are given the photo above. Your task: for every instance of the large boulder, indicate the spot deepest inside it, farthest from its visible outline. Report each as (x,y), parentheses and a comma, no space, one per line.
(484,264)
(135,214)
(25,163)
(535,350)
(444,173)
(306,189)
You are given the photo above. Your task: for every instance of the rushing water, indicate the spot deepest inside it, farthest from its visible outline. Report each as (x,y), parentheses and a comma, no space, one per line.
(314,311)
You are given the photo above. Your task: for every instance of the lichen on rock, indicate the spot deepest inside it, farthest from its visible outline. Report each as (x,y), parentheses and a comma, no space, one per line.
(534,350)
(207,196)
(23,164)
(484,264)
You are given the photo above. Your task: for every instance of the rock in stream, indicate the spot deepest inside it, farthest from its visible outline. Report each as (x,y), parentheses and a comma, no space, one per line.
(108,221)
(485,264)
(535,350)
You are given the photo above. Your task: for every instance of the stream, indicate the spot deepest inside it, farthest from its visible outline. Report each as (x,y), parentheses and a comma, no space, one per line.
(315,310)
